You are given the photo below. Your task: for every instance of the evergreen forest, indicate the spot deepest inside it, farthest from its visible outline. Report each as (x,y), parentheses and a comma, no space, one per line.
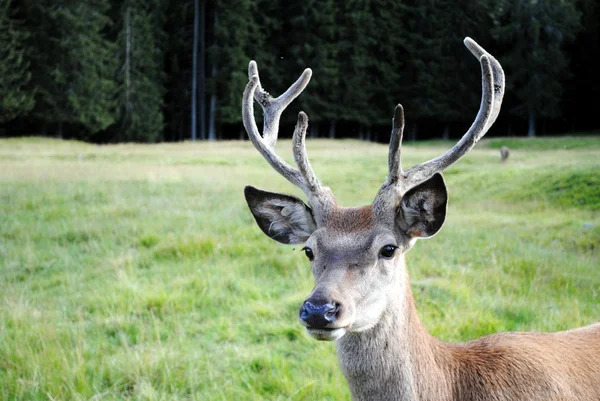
(108,71)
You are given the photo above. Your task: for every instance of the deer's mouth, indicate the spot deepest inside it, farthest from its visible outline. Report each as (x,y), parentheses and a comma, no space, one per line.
(323,334)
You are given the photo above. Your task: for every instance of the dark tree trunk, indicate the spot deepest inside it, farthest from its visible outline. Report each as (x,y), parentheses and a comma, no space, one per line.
(212,126)
(446,133)
(314,130)
(413,132)
(171,106)
(332,129)
(128,106)
(59,130)
(531,130)
(194,111)
(544,125)
(202,71)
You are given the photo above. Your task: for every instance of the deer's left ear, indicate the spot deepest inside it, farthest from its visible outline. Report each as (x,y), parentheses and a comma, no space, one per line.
(422,211)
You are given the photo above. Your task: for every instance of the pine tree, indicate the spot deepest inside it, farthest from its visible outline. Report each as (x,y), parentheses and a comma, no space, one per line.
(140,75)
(388,59)
(229,54)
(310,42)
(422,48)
(537,63)
(178,73)
(457,74)
(239,30)
(585,80)
(71,63)
(15,97)
(354,92)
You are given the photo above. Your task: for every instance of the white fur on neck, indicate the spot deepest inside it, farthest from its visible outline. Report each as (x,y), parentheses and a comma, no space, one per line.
(364,357)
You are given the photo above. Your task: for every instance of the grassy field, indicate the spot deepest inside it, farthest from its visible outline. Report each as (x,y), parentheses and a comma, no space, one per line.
(134,272)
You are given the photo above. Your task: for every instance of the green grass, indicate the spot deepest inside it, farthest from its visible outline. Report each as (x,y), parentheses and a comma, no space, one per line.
(571,142)
(131,272)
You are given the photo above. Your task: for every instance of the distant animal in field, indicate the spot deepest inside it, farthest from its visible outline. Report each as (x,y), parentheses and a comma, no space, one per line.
(504,153)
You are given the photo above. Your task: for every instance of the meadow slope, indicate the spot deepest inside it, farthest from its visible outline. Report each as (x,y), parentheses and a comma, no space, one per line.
(136,272)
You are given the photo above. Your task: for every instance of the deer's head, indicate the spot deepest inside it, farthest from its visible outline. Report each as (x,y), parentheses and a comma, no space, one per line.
(356,254)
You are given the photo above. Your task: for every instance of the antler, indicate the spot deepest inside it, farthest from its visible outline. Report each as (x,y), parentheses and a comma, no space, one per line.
(491,100)
(318,196)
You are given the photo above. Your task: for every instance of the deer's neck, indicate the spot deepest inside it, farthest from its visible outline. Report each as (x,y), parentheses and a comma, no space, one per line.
(397,359)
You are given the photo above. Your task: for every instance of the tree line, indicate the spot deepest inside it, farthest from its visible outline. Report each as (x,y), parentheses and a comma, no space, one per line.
(166,70)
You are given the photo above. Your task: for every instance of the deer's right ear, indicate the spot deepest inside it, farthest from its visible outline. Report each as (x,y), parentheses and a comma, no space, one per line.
(284,218)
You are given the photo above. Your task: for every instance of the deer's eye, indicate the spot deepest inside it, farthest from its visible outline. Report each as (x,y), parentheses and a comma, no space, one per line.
(388,251)
(309,253)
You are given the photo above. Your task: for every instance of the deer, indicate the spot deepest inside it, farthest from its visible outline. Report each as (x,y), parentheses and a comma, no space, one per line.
(504,153)
(362,297)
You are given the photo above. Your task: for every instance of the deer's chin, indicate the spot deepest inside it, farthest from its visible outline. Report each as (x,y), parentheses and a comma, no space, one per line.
(326,334)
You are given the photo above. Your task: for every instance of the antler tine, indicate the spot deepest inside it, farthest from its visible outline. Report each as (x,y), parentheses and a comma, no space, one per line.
(395,154)
(273,107)
(491,100)
(299,145)
(498,74)
(320,198)
(265,150)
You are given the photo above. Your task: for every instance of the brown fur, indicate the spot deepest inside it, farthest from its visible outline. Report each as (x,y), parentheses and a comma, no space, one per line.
(354,219)
(544,366)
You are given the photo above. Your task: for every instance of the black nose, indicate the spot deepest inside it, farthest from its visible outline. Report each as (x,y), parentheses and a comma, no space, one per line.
(319,315)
